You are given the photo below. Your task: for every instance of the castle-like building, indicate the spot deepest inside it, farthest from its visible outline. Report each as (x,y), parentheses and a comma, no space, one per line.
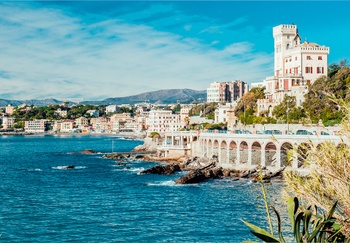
(296,65)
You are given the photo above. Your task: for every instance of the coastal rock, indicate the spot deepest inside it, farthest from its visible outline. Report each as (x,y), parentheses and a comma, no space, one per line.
(162,169)
(192,177)
(88,151)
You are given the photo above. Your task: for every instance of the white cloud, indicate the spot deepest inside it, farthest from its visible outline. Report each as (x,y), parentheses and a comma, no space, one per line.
(48,53)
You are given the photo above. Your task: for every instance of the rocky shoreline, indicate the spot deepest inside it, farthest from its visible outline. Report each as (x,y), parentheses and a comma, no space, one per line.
(199,169)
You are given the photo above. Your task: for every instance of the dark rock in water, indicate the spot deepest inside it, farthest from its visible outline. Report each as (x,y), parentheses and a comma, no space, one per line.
(139,156)
(194,176)
(197,176)
(88,151)
(162,169)
(67,167)
(235,179)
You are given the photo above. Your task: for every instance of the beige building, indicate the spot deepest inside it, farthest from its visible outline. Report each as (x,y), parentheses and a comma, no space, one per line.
(82,122)
(222,92)
(9,109)
(296,65)
(163,121)
(36,126)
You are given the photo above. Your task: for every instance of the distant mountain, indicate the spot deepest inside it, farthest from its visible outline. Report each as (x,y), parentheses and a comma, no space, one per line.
(44,102)
(165,96)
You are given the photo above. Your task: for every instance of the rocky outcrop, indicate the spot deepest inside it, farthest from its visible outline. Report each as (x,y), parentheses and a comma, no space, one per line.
(162,169)
(197,176)
(88,151)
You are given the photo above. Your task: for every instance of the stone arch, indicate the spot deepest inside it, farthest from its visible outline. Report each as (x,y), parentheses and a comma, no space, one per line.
(303,151)
(216,148)
(285,157)
(194,139)
(243,152)
(223,152)
(233,152)
(270,154)
(256,153)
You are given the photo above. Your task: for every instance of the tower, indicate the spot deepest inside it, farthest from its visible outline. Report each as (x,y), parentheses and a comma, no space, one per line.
(285,38)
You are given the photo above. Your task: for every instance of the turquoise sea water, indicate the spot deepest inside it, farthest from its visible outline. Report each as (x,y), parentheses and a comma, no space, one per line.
(100,202)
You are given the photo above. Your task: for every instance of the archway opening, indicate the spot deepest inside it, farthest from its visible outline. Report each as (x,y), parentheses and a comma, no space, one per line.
(270,154)
(286,154)
(256,153)
(233,152)
(223,152)
(243,152)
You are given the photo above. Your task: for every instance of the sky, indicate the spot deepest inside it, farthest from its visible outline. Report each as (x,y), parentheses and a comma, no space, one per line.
(95,50)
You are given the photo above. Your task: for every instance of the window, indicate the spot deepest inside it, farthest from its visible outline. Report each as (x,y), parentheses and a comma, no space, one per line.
(308,57)
(296,58)
(319,57)
(308,69)
(320,70)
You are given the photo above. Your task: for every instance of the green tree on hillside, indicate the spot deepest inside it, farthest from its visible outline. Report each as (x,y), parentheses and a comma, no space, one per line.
(247,106)
(318,103)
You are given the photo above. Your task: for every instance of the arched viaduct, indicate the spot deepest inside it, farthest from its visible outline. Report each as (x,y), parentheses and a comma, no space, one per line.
(247,150)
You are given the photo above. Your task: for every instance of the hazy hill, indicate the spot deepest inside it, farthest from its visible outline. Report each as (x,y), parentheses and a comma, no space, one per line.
(166,96)
(44,102)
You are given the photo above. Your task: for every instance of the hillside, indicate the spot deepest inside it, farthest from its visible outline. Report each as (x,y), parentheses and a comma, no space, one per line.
(166,96)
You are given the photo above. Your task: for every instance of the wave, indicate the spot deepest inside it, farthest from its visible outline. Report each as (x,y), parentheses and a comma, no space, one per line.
(33,170)
(162,183)
(65,167)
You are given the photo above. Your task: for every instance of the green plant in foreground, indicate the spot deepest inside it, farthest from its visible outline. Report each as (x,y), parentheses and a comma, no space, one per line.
(307,226)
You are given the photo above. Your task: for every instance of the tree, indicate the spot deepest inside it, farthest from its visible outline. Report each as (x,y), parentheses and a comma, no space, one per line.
(247,106)
(319,103)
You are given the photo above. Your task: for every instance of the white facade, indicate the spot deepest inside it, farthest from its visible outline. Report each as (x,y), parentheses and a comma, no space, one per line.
(221,113)
(37,126)
(296,65)
(111,109)
(8,122)
(163,121)
(67,126)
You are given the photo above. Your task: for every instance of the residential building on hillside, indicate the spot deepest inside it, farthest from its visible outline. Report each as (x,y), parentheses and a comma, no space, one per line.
(8,122)
(221,113)
(111,109)
(61,113)
(9,109)
(296,65)
(163,121)
(36,126)
(223,92)
(93,113)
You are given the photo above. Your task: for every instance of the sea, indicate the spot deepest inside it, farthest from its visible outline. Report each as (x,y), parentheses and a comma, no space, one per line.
(99,201)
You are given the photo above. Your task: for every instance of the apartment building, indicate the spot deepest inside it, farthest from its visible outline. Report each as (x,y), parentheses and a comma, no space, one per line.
(163,121)
(222,92)
(296,65)
(9,109)
(36,126)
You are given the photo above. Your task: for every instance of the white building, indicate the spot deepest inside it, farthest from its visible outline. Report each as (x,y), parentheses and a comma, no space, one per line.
(37,126)
(221,113)
(163,121)
(111,109)
(93,113)
(8,122)
(61,113)
(9,109)
(67,126)
(296,65)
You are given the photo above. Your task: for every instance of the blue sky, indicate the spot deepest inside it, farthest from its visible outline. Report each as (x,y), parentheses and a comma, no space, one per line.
(96,50)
